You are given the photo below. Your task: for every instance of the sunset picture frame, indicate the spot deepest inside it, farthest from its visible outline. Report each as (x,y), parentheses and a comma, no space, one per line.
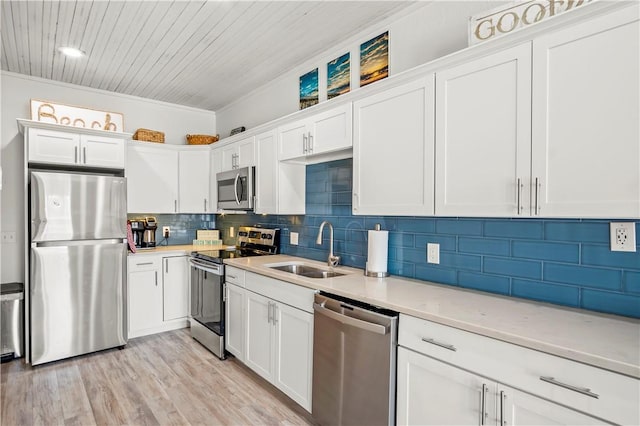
(374,59)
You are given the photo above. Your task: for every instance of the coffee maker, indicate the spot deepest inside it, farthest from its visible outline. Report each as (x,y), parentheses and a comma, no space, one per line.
(149,234)
(137,229)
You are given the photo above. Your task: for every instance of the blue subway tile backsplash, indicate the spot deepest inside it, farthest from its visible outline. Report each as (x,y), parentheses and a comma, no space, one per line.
(561,261)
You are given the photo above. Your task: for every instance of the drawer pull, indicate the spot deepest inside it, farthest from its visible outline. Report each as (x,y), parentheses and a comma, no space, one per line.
(442,345)
(145,263)
(584,391)
(232,276)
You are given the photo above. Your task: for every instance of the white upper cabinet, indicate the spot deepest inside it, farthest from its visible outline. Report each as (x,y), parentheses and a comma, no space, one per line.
(238,154)
(280,187)
(193,180)
(322,133)
(393,148)
(267,173)
(483,135)
(152,179)
(586,141)
(73,148)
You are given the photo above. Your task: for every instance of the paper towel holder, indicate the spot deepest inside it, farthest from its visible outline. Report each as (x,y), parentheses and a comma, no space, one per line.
(368,273)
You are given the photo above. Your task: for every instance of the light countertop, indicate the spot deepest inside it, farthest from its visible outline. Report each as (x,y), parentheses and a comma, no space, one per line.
(179,249)
(606,341)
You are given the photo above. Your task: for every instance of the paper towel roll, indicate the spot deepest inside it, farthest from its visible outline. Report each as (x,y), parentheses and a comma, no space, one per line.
(378,251)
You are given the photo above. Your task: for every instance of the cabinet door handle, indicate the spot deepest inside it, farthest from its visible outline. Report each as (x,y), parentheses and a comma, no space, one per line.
(537,206)
(503,396)
(310,143)
(225,289)
(304,143)
(205,204)
(584,391)
(442,345)
(166,266)
(75,154)
(156,272)
(275,314)
(355,202)
(175,205)
(483,404)
(519,203)
(269,314)
(84,154)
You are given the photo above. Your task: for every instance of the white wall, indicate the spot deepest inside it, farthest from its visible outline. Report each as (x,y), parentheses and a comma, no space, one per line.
(17,90)
(422,33)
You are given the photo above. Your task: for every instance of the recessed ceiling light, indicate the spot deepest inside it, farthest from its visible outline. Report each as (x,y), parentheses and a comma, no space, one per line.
(71,52)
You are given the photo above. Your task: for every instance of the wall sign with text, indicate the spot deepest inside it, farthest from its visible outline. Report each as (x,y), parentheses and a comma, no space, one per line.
(50,112)
(506,19)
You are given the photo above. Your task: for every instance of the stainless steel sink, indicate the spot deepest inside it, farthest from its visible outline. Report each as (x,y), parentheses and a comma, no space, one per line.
(307,271)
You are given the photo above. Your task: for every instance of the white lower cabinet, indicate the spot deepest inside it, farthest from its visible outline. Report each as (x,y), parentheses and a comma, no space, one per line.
(431,392)
(260,335)
(278,332)
(175,286)
(450,376)
(158,296)
(235,312)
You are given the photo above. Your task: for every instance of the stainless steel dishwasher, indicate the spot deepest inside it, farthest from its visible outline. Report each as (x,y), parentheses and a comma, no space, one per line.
(354,362)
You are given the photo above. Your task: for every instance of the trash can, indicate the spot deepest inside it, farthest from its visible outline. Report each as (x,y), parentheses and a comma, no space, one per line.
(11,320)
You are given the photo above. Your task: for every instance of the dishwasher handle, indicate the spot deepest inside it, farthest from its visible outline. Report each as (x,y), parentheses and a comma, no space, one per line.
(364,325)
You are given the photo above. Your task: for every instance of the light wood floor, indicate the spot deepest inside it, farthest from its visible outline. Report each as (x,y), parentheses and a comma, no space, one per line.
(166,379)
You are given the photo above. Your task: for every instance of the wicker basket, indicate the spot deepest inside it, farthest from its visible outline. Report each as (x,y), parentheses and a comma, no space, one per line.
(201,139)
(149,135)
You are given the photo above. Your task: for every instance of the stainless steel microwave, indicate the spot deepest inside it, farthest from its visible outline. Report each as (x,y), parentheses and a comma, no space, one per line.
(236,189)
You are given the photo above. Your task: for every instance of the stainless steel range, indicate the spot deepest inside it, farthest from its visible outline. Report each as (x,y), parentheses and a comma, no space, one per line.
(207,283)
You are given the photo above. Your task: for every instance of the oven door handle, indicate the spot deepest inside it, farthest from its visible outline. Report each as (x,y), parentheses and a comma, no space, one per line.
(205,267)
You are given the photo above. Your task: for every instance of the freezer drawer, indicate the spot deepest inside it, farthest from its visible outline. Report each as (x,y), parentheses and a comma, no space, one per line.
(67,206)
(78,299)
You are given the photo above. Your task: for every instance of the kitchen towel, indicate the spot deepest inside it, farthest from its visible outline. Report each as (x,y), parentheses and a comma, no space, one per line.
(132,245)
(378,251)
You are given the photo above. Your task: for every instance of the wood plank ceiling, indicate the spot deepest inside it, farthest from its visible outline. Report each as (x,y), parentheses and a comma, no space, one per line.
(203,54)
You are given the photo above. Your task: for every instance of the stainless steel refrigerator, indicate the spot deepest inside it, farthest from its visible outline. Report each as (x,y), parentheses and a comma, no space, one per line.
(77,288)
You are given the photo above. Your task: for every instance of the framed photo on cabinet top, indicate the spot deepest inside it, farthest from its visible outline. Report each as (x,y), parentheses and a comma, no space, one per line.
(309,89)
(374,59)
(339,76)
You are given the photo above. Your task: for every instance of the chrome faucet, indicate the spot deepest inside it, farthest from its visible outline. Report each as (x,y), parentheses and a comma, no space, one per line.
(331,260)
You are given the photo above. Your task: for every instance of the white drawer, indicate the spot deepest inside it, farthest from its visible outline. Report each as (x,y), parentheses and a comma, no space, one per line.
(234,275)
(522,368)
(143,263)
(290,294)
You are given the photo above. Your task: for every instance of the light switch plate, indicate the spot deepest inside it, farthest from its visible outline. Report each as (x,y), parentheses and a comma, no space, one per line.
(433,253)
(293,238)
(623,236)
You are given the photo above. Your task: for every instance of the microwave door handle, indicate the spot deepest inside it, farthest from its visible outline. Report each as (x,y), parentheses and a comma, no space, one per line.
(235,188)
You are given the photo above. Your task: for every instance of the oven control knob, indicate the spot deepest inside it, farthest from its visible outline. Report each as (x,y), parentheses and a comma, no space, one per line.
(263,236)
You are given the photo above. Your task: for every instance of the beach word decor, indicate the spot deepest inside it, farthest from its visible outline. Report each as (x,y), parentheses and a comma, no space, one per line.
(374,59)
(50,112)
(517,15)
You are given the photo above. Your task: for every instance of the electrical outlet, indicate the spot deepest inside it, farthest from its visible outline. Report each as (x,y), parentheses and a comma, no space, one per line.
(8,237)
(293,238)
(623,236)
(232,232)
(433,253)
(166,231)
